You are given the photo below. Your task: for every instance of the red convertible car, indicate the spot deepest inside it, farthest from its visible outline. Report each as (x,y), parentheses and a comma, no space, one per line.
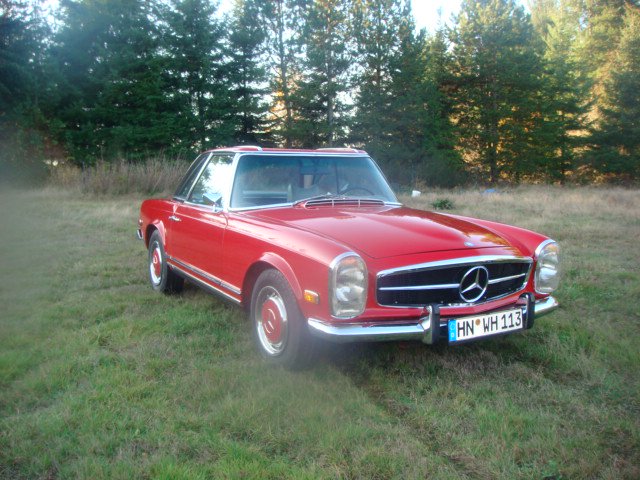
(314,244)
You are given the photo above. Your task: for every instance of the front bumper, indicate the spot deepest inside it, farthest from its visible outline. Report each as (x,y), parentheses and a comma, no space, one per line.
(423,330)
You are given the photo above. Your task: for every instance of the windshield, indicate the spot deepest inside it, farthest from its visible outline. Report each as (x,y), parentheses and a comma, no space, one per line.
(264,180)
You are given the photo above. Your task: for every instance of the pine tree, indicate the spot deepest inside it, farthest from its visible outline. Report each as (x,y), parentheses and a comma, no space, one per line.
(497,68)
(376,29)
(600,23)
(402,115)
(409,115)
(321,113)
(441,163)
(281,19)
(111,80)
(617,139)
(565,90)
(18,45)
(23,129)
(200,92)
(247,75)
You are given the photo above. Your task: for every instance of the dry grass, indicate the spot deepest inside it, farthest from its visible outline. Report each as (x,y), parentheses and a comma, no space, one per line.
(154,176)
(537,205)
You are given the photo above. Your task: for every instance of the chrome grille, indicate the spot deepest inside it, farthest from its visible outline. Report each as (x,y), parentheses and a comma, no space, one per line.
(439,282)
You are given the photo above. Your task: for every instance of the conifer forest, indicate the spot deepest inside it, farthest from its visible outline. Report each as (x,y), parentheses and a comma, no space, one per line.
(505,92)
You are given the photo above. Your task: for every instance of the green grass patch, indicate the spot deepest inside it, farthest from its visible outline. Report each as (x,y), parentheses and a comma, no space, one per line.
(100,377)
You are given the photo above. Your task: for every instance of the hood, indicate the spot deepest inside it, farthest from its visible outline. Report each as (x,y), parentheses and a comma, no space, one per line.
(388,231)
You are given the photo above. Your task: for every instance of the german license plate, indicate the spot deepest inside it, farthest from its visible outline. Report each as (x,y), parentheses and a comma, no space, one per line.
(469,328)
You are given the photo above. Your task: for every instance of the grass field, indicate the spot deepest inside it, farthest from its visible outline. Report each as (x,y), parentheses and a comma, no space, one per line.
(102,378)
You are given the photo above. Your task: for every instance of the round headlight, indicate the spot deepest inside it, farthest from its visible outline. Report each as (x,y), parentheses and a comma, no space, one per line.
(348,285)
(547,274)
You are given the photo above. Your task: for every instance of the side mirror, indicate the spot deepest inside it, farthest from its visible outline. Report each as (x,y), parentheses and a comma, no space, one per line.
(215,200)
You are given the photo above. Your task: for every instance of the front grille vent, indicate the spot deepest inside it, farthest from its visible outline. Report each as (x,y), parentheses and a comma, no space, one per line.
(441,284)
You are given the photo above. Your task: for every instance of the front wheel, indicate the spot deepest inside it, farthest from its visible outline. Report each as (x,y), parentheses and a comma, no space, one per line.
(278,325)
(162,278)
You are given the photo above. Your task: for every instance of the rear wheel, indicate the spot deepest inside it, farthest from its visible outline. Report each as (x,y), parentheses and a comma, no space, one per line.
(278,325)
(162,278)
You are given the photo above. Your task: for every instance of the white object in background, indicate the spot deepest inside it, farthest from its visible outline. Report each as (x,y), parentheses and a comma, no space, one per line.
(415,193)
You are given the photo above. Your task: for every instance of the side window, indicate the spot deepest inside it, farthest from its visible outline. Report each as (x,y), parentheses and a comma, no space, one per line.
(187,180)
(213,182)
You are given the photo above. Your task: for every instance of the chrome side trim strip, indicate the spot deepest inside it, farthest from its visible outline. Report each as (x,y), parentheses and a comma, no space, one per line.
(202,273)
(456,262)
(206,286)
(544,306)
(231,288)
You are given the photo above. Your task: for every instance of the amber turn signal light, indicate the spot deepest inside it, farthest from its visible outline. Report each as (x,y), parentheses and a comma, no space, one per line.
(311,297)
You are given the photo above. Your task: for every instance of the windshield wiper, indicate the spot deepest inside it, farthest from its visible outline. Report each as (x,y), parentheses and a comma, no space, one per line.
(317,197)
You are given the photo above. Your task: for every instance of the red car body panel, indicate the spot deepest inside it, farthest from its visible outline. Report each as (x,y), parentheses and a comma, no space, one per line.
(376,232)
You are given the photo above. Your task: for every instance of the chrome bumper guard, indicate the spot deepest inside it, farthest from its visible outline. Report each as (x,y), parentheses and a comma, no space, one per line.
(139,234)
(421,331)
(544,306)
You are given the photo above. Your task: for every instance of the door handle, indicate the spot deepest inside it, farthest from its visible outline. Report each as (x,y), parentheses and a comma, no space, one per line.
(173,218)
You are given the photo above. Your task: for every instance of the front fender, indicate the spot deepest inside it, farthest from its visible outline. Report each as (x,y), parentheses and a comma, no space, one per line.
(279,263)
(148,231)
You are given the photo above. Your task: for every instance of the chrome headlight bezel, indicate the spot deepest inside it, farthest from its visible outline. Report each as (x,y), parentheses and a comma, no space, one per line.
(348,284)
(547,274)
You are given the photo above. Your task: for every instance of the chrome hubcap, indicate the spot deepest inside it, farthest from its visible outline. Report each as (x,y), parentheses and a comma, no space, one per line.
(155,265)
(271,321)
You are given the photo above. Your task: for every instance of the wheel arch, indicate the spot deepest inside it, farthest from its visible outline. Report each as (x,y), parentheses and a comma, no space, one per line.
(267,261)
(154,227)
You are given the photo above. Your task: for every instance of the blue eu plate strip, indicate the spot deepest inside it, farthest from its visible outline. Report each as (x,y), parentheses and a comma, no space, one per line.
(452,331)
